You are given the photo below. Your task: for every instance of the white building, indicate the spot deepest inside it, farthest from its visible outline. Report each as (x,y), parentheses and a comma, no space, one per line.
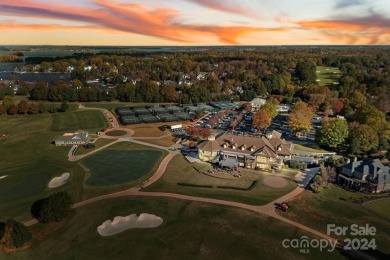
(257,103)
(77,138)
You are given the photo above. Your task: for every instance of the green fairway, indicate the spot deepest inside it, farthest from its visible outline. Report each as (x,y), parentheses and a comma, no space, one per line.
(121,170)
(190,230)
(92,120)
(333,206)
(381,206)
(110,166)
(30,160)
(106,105)
(180,171)
(327,76)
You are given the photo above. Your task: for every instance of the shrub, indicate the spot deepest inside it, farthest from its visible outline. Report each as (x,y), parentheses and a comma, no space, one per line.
(297,165)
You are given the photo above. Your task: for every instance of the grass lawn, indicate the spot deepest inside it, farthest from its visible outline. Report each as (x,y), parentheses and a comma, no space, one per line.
(99,143)
(327,75)
(113,105)
(147,130)
(332,206)
(119,167)
(308,149)
(289,172)
(381,206)
(91,120)
(105,105)
(179,170)
(191,230)
(30,160)
(165,141)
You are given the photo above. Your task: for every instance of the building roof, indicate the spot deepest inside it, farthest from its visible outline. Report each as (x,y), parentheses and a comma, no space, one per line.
(228,163)
(79,135)
(258,101)
(371,167)
(249,145)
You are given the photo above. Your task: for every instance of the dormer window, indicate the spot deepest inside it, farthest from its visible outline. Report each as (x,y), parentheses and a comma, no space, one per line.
(234,146)
(224,145)
(253,148)
(279,148)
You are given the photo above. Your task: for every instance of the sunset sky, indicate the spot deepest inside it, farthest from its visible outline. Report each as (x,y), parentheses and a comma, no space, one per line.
(194,22)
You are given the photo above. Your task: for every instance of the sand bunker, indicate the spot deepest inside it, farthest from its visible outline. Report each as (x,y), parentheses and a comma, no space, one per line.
(275,182)
(120,224)
(4,176)
(59,181)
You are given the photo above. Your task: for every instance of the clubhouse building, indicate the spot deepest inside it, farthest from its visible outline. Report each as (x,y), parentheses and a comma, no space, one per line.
(79,137)
(248,151)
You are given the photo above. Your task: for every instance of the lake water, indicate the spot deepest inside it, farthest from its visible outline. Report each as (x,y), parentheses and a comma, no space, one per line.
(7,67)
(7,75)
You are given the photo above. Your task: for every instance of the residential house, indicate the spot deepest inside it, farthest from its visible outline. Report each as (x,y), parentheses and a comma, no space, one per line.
(78,138)
(370,175)
(250,151)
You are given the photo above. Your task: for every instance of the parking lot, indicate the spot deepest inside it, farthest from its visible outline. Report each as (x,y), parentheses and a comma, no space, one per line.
(222,121)
(217,120)
(280,124)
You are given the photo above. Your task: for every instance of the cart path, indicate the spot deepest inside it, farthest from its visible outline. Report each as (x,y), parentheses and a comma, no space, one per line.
(268,209)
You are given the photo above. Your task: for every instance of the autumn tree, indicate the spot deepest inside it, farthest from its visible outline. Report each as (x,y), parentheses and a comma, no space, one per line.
(332,133)
(39,91)
(213,121)
(8,102)
(32,109)
(12,110)
(198,132)
(271,107)
(247,107)
(337,105)
(362,138)
(305,71)
(300,118)
(261,119)
(357,100)
(316,95)
(13,234)
(169,93)
(23,107)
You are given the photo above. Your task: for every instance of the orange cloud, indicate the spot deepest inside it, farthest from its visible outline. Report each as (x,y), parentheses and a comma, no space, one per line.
(133,18)
(227,6)
(231,34)
(372,29)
